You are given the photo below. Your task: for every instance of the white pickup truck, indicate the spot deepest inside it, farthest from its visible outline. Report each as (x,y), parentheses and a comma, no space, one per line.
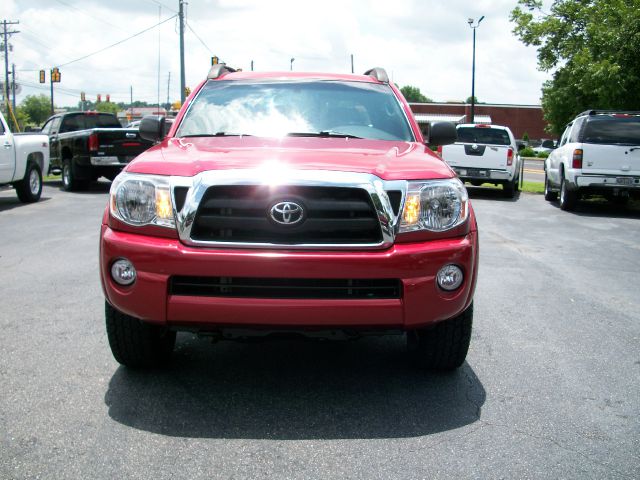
(598,154)
(23,158)
(485,154)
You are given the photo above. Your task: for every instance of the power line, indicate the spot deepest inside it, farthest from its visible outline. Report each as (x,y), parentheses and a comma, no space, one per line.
(163,5)
(117,43)
(89,15)
(198,37)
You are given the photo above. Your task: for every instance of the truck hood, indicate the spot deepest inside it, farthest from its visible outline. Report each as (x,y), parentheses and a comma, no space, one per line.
(389,160)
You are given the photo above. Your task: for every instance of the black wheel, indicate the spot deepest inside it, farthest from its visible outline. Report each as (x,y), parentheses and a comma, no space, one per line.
(29,188)
(549,196)
(443,346)
(509,189)
(137,344)
(69,181)
(568,198)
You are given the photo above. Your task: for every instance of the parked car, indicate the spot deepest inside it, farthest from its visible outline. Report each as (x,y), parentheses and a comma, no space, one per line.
(287,203)
(598,154)
(23,158)
(547,146)
(87,145)
(485,154)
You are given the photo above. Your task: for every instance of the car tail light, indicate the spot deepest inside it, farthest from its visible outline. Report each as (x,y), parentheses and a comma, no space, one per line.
(93,142)
(510,157)
(483,125)
(440,150)
(577,158)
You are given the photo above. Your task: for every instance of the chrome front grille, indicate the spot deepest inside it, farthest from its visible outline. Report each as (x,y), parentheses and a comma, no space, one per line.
(249,214)
(297,209)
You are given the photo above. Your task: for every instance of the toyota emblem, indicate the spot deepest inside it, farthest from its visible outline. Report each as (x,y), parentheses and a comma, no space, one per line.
(287,213)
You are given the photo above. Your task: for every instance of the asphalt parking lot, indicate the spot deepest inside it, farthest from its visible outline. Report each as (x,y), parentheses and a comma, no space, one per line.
(551,387)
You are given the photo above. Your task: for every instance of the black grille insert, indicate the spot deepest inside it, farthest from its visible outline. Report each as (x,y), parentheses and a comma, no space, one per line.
(292,288)
(241,213)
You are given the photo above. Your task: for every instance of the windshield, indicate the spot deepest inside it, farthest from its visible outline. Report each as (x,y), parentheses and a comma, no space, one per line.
(489,136)
(623,130)
(280,108)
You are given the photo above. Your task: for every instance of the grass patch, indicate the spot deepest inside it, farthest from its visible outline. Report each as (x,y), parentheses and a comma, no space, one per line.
(49,178)
(533,187)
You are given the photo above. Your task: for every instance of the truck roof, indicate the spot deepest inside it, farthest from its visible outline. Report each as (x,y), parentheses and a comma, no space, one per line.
(219,72)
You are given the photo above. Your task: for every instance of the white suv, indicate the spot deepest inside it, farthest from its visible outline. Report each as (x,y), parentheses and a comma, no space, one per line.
(598,154)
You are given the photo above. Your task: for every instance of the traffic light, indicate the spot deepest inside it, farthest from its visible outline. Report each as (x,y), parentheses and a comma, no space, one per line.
(187,91)
(55,75)
(215,60)
(42,76)
(83,97)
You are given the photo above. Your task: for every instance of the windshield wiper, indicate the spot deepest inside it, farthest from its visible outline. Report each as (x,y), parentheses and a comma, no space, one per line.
(322,134)
(217,134)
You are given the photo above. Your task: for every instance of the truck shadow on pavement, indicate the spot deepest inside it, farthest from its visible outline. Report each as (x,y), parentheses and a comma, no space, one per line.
(603,208)
(490,193)
(9,203)
(99,186)
(294,390)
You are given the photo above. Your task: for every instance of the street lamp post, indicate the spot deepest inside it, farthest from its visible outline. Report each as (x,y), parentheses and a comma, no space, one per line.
(473,68)
(291,64)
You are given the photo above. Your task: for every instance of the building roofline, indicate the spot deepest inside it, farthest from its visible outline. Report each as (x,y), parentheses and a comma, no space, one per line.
(495,105)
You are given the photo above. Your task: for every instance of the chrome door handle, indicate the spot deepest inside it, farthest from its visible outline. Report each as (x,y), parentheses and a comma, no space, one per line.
(7,145)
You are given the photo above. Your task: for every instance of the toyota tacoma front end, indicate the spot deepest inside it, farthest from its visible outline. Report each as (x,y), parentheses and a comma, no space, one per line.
(282,203)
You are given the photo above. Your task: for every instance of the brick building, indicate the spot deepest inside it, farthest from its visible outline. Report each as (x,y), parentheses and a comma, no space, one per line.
(519,118)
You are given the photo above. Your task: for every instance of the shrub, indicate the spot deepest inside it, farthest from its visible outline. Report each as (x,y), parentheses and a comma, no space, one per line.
(543,155)
(527,152)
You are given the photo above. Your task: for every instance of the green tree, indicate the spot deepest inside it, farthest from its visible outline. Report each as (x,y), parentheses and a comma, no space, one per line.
(413,94)
(37,108)
(591,46)
(475,100)
(107,107)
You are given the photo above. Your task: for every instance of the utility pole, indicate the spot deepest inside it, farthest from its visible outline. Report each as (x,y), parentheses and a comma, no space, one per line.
(13,87)
(252,65)
(352,63)
(168,88)
(51,82)
(182,79)
(5,37)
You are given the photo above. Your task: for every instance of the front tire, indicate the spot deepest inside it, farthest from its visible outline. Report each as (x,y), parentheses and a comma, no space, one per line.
(29,188)
(135,343)
(444,346)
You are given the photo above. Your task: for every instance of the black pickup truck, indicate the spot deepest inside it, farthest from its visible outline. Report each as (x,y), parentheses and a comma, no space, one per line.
(88,145)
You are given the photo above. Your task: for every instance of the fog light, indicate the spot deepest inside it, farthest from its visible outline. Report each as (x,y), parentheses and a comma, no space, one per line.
(123,272)
(450,277)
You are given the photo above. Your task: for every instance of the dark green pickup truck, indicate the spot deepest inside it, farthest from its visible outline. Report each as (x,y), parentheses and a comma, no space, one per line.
(85,146)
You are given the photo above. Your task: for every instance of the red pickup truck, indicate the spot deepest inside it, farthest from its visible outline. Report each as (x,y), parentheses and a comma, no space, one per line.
(290,203)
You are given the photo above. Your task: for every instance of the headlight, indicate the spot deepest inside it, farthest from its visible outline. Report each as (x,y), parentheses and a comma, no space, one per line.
(142,200)
(434,205)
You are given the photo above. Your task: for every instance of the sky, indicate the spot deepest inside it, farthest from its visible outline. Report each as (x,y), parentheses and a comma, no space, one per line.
(424,43)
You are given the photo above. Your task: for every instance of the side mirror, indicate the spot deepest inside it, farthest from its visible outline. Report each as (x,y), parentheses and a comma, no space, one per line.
(442,133)
(152,128)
